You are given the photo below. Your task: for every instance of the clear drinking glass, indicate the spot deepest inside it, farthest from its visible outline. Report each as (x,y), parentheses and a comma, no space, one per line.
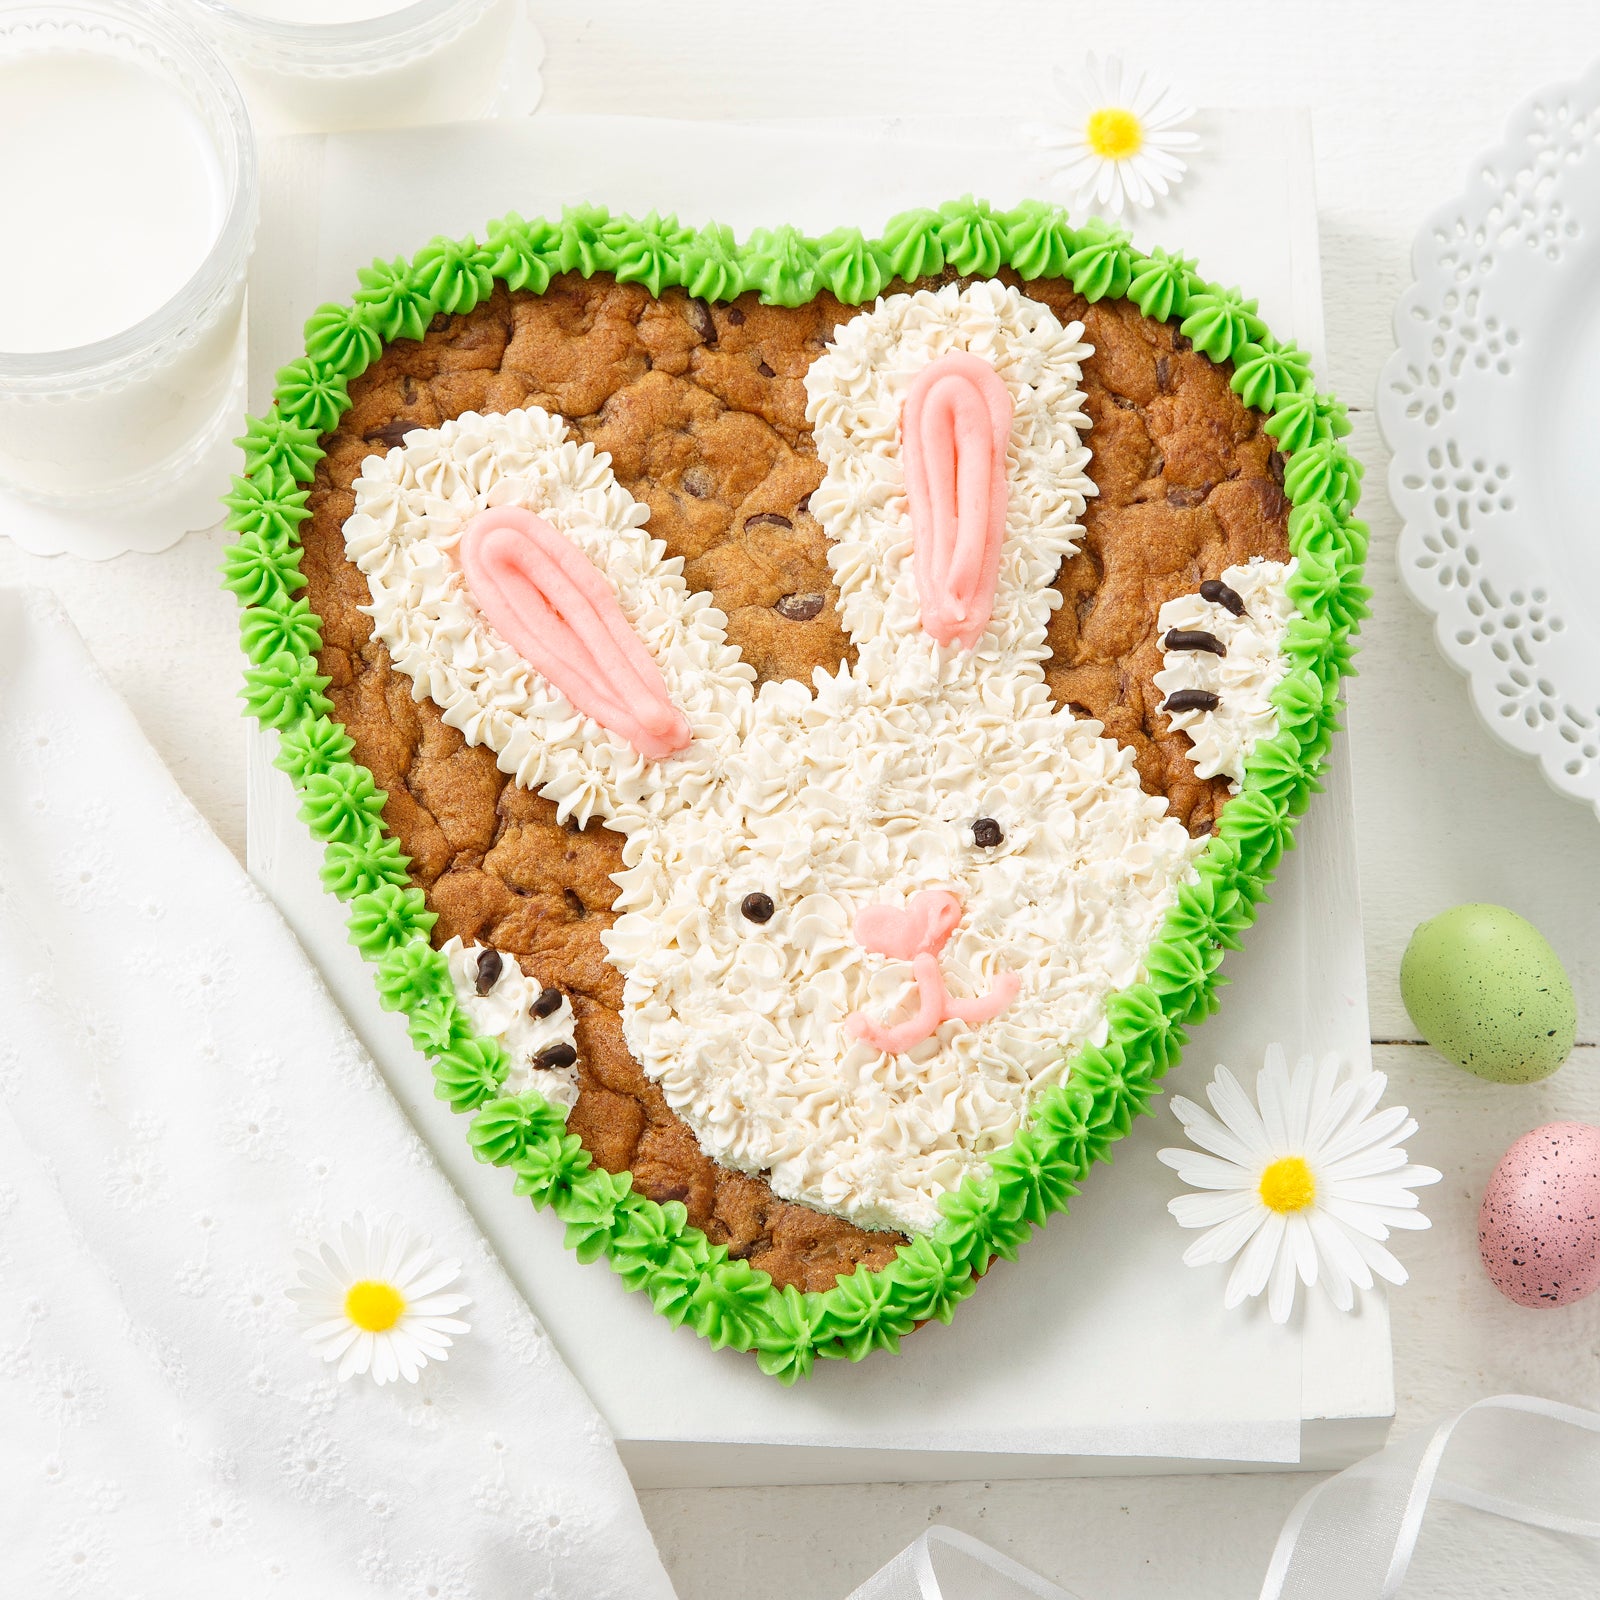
(325,65)
(130,224)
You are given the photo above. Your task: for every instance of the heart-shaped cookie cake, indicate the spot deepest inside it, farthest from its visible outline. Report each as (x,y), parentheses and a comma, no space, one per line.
(798,723)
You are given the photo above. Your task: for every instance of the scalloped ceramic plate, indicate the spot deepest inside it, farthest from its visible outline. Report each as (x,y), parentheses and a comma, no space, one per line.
(1490,409)
(652,1246)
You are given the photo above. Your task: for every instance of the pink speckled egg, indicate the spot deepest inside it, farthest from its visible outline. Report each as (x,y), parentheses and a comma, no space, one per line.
(1539,1225)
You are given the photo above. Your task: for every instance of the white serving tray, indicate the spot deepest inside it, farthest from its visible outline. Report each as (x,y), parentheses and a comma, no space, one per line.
(1097,1352)
(1487,404)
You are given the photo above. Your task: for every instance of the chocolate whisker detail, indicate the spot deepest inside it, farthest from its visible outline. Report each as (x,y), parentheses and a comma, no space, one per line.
(1193,639)
(490,964)
(1219,594)
(1191,700)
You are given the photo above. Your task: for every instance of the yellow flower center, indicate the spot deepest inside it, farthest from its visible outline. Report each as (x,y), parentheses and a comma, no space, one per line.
(1115,134)
(1287,1185)
(374,1307)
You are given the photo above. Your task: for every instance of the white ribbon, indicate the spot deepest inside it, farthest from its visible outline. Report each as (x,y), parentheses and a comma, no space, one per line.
(944,1564)
(1352,1536)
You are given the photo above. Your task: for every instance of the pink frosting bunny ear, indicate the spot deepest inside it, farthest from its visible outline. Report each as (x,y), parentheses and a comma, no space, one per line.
(954,429)
(553,606)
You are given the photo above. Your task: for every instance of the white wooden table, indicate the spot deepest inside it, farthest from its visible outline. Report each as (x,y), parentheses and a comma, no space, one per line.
(1405,93)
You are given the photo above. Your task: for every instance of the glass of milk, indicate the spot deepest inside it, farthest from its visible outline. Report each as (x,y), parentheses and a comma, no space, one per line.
(127,213)
(323,65)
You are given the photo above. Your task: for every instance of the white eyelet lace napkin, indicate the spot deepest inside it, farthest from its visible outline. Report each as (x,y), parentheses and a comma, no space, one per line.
(181,1105)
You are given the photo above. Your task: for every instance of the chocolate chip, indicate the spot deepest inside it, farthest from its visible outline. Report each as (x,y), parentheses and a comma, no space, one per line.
(1219,594)
(555,1055)
(1182,342)
(800,607)
(767,519)
(441,321)
(765,370)
(986,833)
(803,505)
(700,320)
(1275,467)
(758,907)
(546,1004)
(699,483)
(490,965)
(408,389)
(391,433)
(574,904)
(1191,700)
(736,316)
(1079,709)
(1164,374)
(1186,499)
(1193,639)
(663,1193)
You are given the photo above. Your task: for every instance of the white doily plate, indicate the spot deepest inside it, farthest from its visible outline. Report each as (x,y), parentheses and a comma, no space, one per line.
(1491,407)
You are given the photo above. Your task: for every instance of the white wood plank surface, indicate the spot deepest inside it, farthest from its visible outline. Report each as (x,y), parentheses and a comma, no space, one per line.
(1404,93)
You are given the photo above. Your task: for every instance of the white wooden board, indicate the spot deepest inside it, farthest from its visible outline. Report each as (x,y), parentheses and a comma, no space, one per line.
(1114,1357)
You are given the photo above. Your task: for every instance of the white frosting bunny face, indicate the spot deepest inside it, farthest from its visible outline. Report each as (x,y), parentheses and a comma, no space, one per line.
(862,793)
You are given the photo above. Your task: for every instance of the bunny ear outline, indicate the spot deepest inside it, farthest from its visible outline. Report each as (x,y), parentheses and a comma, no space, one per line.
(952,430)
(608,624)
(514,582)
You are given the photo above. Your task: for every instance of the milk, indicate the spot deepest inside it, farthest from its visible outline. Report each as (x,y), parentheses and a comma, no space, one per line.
(111,193)
(120,222)
(303,74)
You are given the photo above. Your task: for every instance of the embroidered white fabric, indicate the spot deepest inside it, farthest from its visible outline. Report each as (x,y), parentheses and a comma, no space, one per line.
(180,1106)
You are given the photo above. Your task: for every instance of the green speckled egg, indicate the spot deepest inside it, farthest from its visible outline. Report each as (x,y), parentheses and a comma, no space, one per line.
(1485,989)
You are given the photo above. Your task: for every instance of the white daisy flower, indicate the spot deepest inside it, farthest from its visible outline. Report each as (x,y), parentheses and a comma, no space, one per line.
(373,1301)
(1120,141)
(1303,1183)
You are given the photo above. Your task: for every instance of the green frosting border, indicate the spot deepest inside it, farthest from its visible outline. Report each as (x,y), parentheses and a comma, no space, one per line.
(651,1246)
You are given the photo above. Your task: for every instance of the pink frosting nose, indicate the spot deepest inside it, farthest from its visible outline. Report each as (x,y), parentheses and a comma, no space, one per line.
(923,928)
(917,934)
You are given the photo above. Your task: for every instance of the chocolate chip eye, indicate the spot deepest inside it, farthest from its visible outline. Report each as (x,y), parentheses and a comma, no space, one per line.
(556,1055)
(489,966)
(546,1004)
(758,907)
(986,833)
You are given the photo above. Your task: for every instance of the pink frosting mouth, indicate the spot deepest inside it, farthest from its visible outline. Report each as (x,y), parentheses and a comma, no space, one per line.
(917,934)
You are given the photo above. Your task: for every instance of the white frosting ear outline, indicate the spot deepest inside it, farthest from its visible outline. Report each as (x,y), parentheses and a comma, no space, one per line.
(854,393)
(411,506)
